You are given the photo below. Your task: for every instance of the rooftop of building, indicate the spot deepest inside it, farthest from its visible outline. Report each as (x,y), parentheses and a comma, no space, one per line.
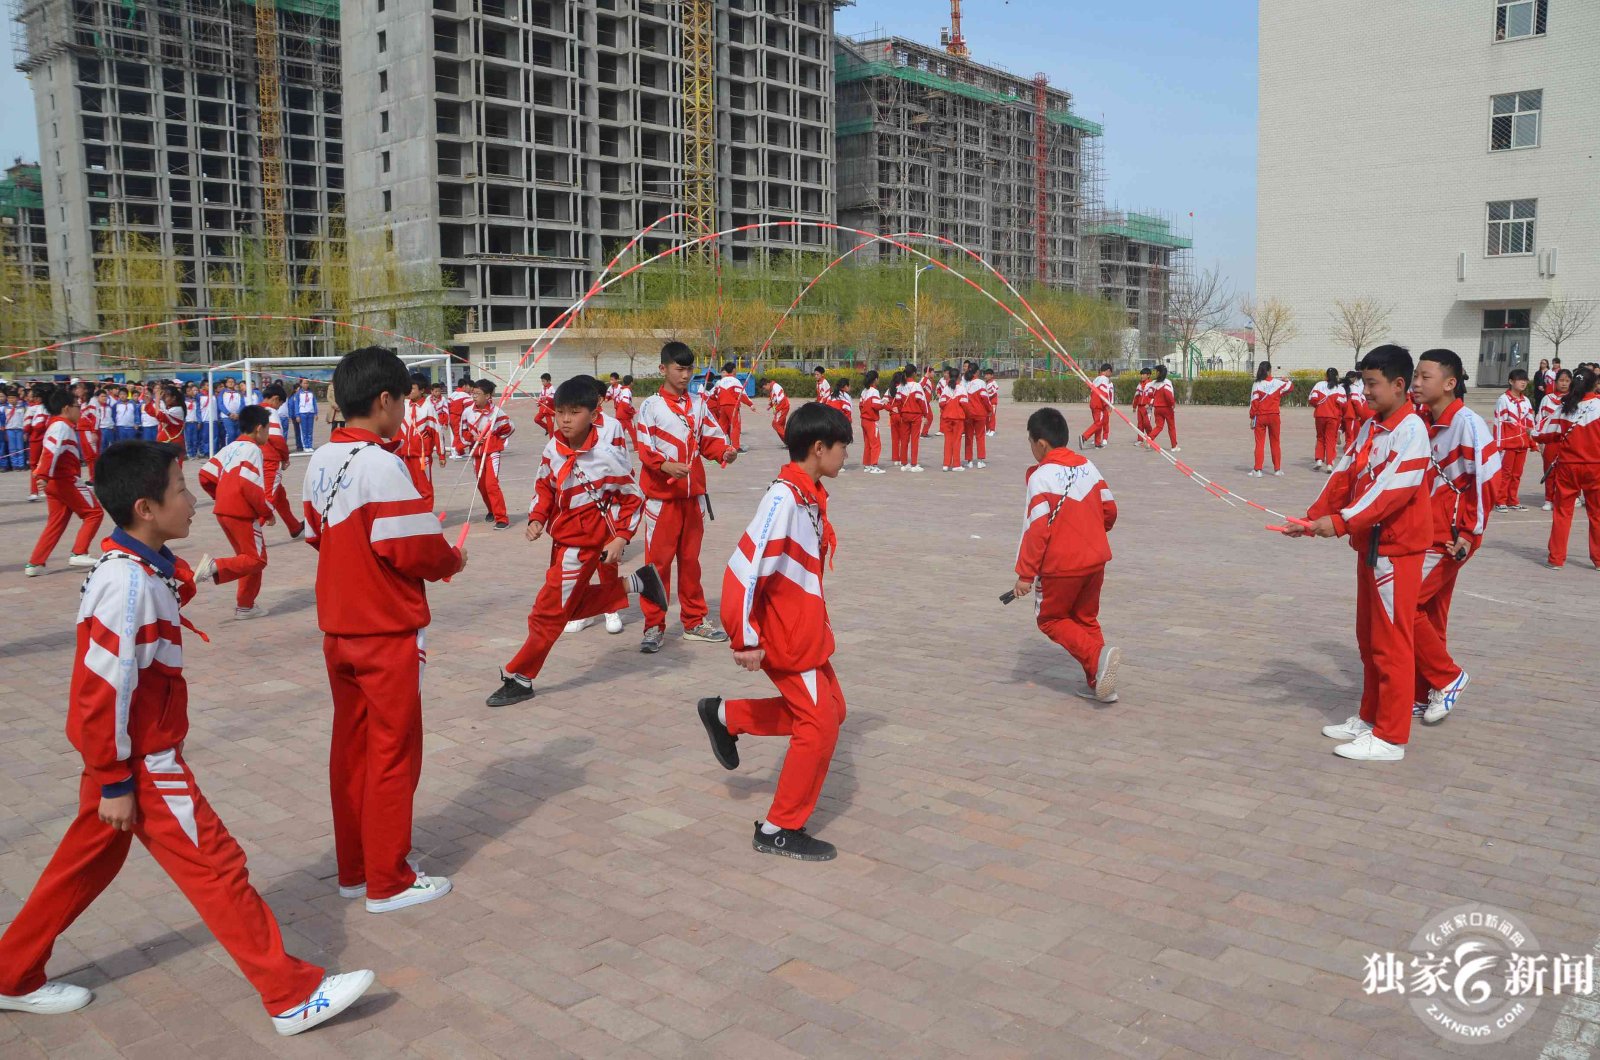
(1141,228)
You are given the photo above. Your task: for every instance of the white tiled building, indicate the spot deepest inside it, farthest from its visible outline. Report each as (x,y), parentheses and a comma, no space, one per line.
(1442,156)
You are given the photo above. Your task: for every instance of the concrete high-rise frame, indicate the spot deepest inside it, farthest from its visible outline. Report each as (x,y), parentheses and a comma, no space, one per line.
(516,144)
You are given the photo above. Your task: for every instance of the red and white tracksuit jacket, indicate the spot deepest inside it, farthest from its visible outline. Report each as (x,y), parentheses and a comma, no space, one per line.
(1102,395)
(1513,433)
(168,421)
(952,419)
(772,600)
(88,430)
(274,458)
(378,541)
(1266,417)
(34,421)
(234,479)
(1576,437)
(824,390)
(1379,496)
(680,429)
(910,413)
(1064,551)
(974,443)
(457,403)
(58,464)
(421,438)
(991,394)
(927,401)
(127,716)
(584,497)
(485,431)
(546,414)
(1164,410)
(778,405)
(1549,440)
(1141,406)
(872,406)
(1328,404)
(622,405)
(728,396)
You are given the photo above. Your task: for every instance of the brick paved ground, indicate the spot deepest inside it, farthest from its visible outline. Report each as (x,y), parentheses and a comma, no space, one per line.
(1187,873)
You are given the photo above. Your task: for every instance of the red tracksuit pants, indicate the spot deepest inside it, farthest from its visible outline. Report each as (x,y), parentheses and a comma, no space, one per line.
(576,585)
(458,443)
(1269,431)
(780,423)
(972,437)
(809,709)
(1512,464)
(487,467)
(35,451)
(1435,667)
(1549,455)
(1147,423)
(1327,440)
(1067,609)
(952,427)
(673,531)
(375,758)
(247,562)
(1169,419)
(871,446)
(626,420)
(1099,429)
(1571,481)
(907,449)
(89,446)
(177,825)
(992,410)
(285,510)
(735,427)
(421,468)
(925,423)
(1386,611)
(64,500)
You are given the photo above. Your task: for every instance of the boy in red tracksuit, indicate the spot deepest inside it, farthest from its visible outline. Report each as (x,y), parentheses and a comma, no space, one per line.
(1513,433)
(377,543)
(1573,430)
(233,478)
(1064,551)
(1378,497)
(128,718)
(1141,406)
(952,418)
(420,438)
(1465,464)
(777,404)
(546,415)
(55,473)
(773,605)
(35,421)
(991,394)
(872,406)
(275,457)
(88,428)
(460,399)
(677,434)
(974,442)
(622,404)
(824,388)
(1102,395)
(485,428)
(1328,401)
(586,500)
(728,396)
(1164,409)
(926,383)
(914,415)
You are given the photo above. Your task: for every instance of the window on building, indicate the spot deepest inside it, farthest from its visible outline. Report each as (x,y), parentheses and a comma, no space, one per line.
(385,157)
(383,41)
(1501,319)
(383,121)
(1511,226)
(1515,120)
(1515,19)
(380,7)
(383,80)
(388,201)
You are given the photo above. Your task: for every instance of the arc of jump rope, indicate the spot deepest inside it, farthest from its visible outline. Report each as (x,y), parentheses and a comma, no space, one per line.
(1052,346)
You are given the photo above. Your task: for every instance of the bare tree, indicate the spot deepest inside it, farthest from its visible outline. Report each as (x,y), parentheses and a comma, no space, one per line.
(1360,323)
(1198,304)
(1272,320)
(1564,319)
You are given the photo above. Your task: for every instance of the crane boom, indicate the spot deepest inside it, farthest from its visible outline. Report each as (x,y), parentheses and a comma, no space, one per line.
(957,43)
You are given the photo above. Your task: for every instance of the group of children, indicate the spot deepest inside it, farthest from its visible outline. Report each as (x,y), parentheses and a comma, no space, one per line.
(1155,404)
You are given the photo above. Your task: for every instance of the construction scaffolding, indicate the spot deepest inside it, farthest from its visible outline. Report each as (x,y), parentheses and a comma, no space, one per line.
(1138,260)
(700,120)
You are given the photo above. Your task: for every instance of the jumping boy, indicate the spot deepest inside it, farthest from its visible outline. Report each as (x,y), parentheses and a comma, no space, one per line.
(1102,395)
(622,404)
(777,404)
(1064,551)
(485,428)
(234,480)
(677,434)
(772,602)
(127,716)
(275,457)
(586,500)
(1378,497)
(377,543)
(546,415)
(55,474)
(727,397)
(1513,433)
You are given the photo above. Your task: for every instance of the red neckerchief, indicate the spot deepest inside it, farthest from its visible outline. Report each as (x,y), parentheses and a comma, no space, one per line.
(1364,456)
(570,454)
(813,493)
(683,413)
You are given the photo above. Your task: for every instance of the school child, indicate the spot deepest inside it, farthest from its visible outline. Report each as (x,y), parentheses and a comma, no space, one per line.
(1102,395)
(1266,396)
(377,543)
(677,434)
(230,405)
(773,604)
(1574,429)
(127,717)
(726,398)
(275,457)
(146,408)
(15,447)
(88,428)
(191,420)
(1356,410)
(485,428)
(777,404)
(1142,409)
(1164,409)
(1064,551)
(35,421)
(952,418)
(1513,434)
(1378,497)
(1465,462)
(622,404)
(840,398)
(913,412)
(1549,437)
(420,439)
(872,406)
(586,500)
(824,388)
(611,391)
(1327,400)
(233,478)
(928,418)
(974,443)
(55,473)
(546,415)
(460,400)
(991,394)
(166,408)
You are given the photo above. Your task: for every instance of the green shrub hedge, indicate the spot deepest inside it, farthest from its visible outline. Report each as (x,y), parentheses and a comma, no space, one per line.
(1208,388)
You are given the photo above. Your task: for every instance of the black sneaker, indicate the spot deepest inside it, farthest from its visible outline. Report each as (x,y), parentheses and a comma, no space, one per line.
(298,534)
(488,517)
(511,691)
(793,843)
(723,743)
(502,526)
(650,585)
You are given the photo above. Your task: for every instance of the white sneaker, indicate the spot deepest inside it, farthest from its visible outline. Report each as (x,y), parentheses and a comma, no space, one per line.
(1351,728)
(1500,508)
(1085,692)
(51,999)
(33,570)
(946,469)
(578,625)
(959,467)
(981,464)
(990,434)
(1368,748)
(244,614)
(33,498)
(1548,507)
(1317,466)
(916,467)
(422,889)
(1252,474)
(332,996)
(1105,680)
(360,889)
(1278,473)
(1176,449)
(1419,709)
(206,569)
(613,622)
(81,559)
(1442,701)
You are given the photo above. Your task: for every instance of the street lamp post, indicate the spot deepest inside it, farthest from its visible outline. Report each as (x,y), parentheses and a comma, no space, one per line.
(916,312)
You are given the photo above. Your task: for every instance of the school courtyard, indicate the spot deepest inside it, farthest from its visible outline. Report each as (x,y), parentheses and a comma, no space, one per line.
(1187,873)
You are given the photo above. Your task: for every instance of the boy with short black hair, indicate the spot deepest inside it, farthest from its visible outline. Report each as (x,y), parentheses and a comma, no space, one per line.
(1064,551)
(275,457)
(235,481)
(127,716)
(378,543)
(55,472)
(1513,433)
(824,388)
(726,398)
(545,416)
(1102,395)
(777,404)
(991,393)
(1377,496)
(586,500)
(773,605)
(485,428)
(421,437)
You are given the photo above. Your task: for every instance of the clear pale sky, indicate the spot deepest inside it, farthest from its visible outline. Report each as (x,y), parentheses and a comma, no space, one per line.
(1174,81)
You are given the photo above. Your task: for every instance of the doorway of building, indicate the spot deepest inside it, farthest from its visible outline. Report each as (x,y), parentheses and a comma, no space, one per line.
(1504,345)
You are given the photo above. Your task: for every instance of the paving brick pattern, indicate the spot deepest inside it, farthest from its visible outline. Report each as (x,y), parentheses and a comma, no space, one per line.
(1187,873)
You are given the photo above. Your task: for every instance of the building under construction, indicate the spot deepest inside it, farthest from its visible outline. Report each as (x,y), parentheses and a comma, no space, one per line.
(153,136)
(22,222)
